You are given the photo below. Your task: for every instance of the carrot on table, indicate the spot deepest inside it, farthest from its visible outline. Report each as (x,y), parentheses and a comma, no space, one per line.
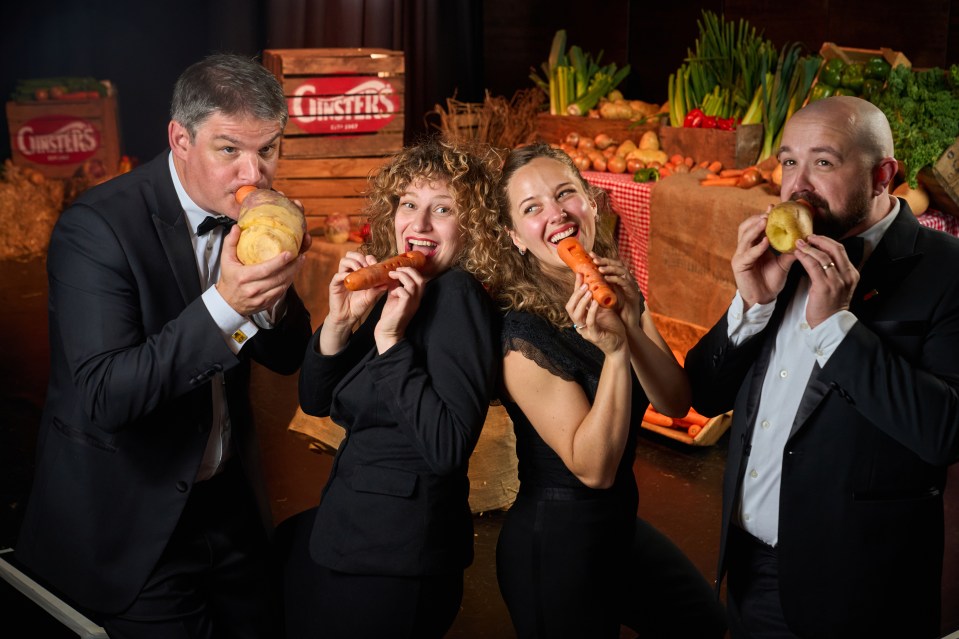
(715,166)
(694,430)
(378,274)
(731,172)
(720,181)
(575,257)
(657,419)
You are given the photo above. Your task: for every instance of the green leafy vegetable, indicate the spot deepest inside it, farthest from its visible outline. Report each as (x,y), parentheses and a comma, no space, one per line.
(923,111)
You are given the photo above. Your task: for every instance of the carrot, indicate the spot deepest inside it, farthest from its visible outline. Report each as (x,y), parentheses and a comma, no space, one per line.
(572,253)
(657,419)
(703,165)
(676,159)
(378,274)
(720,181)
(694,430)
(689,162)
(715,167)
(731,172)
(692,417)
(242,192)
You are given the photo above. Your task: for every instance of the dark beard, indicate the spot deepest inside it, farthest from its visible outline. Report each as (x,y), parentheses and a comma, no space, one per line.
(836,225)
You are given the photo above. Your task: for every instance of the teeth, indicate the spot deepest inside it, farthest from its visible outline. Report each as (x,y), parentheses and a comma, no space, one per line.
(425,243)
(562,236)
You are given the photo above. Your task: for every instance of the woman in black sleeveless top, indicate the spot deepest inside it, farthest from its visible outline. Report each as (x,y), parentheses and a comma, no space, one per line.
(573,560)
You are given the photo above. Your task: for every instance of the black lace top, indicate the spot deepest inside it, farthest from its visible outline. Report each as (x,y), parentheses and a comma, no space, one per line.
(567,355)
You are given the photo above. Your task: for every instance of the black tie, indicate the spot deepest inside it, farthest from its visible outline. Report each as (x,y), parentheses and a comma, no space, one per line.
(212,222)
(854,249)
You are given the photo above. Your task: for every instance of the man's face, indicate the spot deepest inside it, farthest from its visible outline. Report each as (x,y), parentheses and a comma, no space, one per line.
(228,152)
(822,165)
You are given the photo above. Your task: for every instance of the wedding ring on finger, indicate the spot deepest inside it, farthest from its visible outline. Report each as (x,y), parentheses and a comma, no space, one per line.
(826,267)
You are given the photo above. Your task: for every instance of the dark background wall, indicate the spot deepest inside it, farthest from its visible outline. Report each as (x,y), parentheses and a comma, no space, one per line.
(143,46)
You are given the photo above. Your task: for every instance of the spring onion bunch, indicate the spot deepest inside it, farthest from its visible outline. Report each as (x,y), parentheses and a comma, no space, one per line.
(574,81)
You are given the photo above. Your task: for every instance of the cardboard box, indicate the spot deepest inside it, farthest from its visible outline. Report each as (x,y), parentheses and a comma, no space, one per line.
(734,149)
(942,181)
(56,137)
(346,119)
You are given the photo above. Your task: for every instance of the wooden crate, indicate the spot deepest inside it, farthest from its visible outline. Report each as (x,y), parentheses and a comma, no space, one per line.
(734,149)
(56,137)
(830,50)
(554,128)
(346,119)
(328,185)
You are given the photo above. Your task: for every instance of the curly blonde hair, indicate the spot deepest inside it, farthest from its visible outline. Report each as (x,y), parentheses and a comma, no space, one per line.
(517,281)
(470,171)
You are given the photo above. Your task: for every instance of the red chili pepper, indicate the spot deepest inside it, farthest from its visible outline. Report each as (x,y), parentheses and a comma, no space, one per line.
(709,122)
(726,124)
(694,119)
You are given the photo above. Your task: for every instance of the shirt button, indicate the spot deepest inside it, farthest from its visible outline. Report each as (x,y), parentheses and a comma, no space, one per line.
(764,423)
(819,352)
(182,486)
(753,474)
(783,373)
(746,517)
(737,316)
(804,326)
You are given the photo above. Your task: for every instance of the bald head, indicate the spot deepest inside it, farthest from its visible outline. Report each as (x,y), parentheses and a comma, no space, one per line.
(864,123)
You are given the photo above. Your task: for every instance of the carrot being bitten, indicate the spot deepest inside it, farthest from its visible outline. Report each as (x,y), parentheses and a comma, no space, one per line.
(575,257)
(378,274)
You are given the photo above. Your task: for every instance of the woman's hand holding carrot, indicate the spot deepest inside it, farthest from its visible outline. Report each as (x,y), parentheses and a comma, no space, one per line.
(615,272)
(346,307)
(601,326)
(402,302)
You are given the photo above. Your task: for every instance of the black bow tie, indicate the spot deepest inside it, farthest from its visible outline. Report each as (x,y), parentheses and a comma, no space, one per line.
(212,222)
(854,249)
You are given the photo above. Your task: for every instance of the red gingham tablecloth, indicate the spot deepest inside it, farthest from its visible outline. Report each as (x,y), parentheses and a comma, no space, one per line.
(630,201)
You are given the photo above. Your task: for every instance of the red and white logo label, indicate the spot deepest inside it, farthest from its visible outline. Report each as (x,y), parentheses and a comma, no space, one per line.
(57,139)
(343,104)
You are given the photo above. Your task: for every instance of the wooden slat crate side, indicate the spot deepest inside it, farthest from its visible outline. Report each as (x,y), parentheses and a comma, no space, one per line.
(329,187)
(322,206)
(291,62)
(341,146)
(555,128)
(292,168)
(316,224)
(294,130)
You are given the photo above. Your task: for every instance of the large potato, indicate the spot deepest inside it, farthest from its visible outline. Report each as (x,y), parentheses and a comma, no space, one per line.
(269,224)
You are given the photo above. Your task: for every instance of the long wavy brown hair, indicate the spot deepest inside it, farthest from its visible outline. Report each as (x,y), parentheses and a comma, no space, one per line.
(470,171)
(518,282)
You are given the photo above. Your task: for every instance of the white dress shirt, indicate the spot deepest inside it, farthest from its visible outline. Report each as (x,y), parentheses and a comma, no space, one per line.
(235,328)
(797,349)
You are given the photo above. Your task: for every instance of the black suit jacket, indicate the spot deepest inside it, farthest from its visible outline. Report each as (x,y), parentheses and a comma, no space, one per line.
(396,502)
(861,504)
(128,408)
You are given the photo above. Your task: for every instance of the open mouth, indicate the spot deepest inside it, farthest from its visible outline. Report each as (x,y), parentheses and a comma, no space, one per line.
(567,231)
(423,246)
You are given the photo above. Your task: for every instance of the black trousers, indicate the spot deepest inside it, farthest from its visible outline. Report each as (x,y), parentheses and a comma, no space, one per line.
(579,569)
(212,581)
(323,603)
(752,589)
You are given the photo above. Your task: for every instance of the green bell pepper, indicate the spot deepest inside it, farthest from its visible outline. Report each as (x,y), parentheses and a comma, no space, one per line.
(845,91)
(821,91)
(877,68)
(853,76)
(871,88)
(831,72)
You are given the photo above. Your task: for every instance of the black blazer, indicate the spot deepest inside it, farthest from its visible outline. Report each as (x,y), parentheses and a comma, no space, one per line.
(861,505)
(396,502)
(128,407)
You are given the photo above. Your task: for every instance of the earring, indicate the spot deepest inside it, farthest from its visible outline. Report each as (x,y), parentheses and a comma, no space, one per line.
(522,251)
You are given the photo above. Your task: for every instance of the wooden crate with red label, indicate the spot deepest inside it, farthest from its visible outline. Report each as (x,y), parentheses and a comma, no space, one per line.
(346,119)
(56,136)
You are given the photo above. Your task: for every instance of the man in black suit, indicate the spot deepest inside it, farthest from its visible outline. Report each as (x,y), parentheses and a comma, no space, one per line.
(843,372)
(149,507)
